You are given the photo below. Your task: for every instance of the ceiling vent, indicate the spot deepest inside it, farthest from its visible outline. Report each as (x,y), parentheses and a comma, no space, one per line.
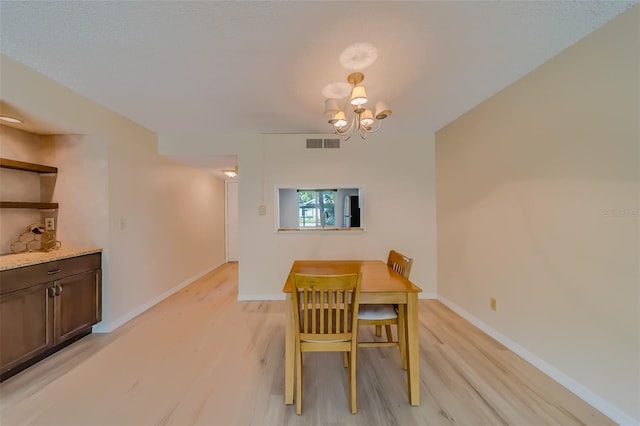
(314,143)
(332,143)
(323,143)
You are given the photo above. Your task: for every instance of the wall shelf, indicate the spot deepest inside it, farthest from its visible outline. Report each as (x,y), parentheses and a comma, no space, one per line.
(27,167)
(27,205)
(42,170)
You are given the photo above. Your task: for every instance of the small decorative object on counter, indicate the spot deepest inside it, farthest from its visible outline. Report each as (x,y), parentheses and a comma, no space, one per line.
(36,238)
(36,228)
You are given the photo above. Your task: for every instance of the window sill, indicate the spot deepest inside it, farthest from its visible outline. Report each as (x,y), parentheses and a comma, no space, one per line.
(293,230)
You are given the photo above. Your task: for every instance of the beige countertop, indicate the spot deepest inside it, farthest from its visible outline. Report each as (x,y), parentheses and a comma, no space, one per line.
(18,260)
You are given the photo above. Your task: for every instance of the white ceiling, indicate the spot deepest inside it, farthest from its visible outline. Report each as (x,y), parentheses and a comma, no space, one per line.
(205,67)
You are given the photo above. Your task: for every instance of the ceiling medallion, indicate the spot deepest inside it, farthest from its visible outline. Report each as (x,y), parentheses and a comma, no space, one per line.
(358,56)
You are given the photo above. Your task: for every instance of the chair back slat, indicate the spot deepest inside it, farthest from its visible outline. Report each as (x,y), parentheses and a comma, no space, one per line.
(330,314)
(400,263)
(321,312)
(305,302)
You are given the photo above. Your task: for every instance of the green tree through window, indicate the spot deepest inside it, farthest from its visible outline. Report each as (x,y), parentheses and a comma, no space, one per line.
(316,208)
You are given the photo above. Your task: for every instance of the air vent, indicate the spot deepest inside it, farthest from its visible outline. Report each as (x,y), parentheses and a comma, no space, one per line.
(332,143)
(314,143)
(323,143)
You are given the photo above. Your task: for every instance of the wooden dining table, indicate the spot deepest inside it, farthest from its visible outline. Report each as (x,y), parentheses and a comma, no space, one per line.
(380,285)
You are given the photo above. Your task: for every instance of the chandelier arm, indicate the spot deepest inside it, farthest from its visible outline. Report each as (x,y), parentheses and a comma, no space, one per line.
(363,132)
(348,131)
(377,126)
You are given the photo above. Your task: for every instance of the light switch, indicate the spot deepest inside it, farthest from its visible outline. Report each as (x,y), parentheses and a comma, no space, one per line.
(262,210)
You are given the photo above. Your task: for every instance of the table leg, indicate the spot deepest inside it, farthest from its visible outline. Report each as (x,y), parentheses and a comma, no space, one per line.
(402,334)
(289,349)
(413,352)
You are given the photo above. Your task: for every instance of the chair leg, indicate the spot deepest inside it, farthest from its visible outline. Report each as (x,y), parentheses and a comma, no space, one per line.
(352,378)
(387,329)
(378,330)
(298,381)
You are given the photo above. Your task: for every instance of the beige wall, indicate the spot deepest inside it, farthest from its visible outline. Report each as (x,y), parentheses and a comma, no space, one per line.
(160,223)
(396,171)
(80,189)
(538,206)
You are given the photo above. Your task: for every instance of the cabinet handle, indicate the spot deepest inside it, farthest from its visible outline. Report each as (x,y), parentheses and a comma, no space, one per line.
(58,290)
(51,291)
(53,271)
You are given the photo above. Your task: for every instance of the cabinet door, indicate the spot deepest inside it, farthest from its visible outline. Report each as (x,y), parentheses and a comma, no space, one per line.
(78,304)
(25,324)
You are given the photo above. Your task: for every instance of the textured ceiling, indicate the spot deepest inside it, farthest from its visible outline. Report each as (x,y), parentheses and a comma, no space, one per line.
(259,67)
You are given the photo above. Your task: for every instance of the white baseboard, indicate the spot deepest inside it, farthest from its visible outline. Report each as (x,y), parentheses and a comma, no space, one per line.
(600,404)
(427,295)
(110,326)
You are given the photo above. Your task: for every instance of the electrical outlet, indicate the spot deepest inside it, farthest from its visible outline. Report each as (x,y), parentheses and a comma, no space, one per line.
(492,303)
(49,224)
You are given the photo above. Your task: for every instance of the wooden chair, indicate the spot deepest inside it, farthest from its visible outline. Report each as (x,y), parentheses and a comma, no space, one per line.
(326,320)
(388,315)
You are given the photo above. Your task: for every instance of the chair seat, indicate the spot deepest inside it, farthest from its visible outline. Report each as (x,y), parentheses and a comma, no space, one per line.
(324,338)
(377,312)
(323,341)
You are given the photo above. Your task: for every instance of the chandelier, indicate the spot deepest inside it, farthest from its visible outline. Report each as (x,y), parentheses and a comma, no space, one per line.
(361,120)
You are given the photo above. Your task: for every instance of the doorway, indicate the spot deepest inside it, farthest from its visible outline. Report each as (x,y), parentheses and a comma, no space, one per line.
(231,220)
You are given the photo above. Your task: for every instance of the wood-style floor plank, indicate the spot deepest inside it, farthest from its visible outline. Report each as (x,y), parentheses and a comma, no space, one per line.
(202,358)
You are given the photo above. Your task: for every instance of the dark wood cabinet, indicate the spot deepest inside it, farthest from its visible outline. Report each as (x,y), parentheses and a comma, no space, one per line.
(44,307)
(77,304)
(25,317)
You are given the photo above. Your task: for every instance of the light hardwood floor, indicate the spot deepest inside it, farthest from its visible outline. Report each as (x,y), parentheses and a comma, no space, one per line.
(202,357)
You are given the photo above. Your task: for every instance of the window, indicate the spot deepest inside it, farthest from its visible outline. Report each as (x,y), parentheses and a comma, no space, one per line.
(319,208)
(316,208)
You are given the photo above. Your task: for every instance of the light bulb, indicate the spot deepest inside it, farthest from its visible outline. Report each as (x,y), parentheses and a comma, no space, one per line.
(358,96)
(340,119)
(367,118)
